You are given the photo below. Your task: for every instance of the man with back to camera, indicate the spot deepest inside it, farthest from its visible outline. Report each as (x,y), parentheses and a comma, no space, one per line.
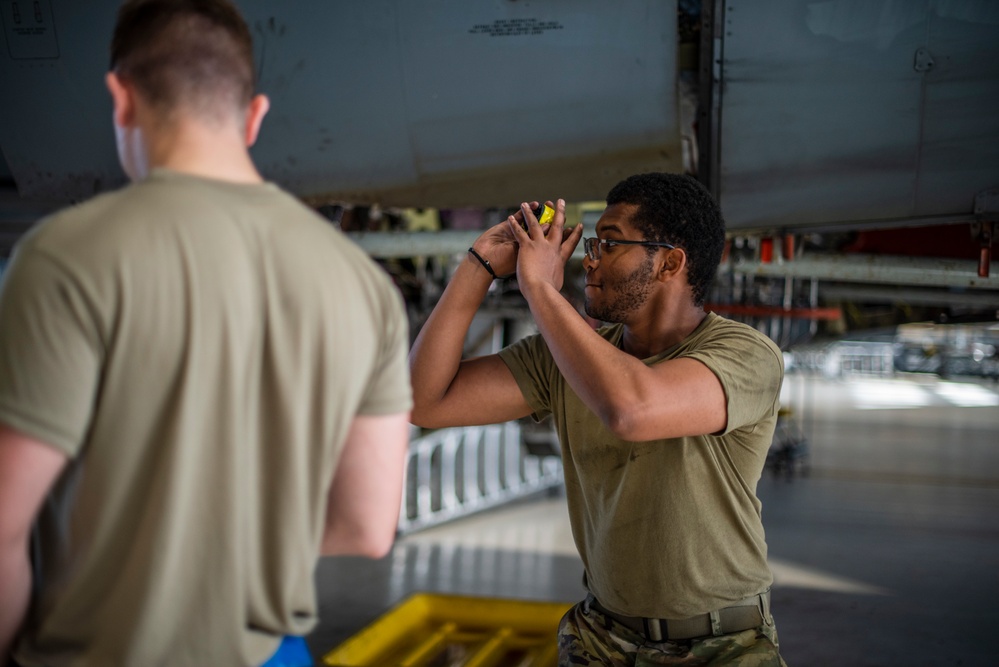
(203,385)
(664,418)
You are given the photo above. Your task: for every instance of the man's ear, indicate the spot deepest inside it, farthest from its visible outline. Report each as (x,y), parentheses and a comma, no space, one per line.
(123,99)
(259,106)
(672,264)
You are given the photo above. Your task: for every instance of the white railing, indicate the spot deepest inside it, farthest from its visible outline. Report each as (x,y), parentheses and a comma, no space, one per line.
(846,358)
(862,358)
(453,472)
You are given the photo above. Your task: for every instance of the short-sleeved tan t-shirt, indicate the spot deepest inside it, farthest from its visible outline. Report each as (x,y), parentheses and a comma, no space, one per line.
(667,528)
(198,349)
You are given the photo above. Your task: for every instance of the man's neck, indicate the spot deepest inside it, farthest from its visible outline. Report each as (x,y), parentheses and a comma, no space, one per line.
(654,335)
(202,150)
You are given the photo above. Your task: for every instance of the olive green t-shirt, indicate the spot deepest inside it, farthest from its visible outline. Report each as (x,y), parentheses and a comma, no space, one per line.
(198,349)
(667,528)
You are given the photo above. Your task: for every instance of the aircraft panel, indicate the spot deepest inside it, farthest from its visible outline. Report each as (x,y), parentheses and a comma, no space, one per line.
(829,113)
(55,118)
(433,103)
(960,146)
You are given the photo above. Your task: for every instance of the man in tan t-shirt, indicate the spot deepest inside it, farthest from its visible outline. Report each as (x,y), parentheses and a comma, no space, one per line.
(203,384)
(664,418)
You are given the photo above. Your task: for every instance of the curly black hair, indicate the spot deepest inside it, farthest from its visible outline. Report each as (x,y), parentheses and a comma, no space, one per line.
(677,209)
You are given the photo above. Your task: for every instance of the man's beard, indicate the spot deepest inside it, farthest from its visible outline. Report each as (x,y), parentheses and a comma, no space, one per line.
(622,297)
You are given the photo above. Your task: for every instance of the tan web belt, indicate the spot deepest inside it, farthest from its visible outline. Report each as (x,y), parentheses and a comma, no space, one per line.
(743,615)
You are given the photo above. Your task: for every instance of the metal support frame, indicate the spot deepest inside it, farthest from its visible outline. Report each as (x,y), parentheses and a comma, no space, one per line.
(979,299)
(923,271)
(929,272)
(454,472)
(710,91)
(847,358)
(984,234)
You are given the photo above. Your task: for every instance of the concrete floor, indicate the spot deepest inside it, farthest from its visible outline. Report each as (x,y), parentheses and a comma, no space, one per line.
(886,553)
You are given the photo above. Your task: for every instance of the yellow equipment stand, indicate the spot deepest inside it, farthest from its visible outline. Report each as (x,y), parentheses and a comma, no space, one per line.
(431,630)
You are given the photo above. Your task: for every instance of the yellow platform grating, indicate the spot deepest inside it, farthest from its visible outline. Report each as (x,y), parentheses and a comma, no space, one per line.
(431,630)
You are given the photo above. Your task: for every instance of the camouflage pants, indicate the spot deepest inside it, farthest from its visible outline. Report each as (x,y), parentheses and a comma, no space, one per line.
(589,638)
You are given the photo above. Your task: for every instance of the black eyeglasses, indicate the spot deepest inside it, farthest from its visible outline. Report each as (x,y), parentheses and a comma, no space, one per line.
(594,247)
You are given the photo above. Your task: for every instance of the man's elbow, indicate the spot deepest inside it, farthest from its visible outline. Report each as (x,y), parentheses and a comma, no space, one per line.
(377,549)
(623,421)
(420,416)
(365,543)
(634,424)
(619,426)
(427,416)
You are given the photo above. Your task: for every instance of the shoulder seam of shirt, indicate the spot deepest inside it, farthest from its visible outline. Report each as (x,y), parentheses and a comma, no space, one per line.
(67,272)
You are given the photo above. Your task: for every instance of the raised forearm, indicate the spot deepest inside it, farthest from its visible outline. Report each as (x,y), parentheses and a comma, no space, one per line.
(610,382)
(437,351)
(635,401)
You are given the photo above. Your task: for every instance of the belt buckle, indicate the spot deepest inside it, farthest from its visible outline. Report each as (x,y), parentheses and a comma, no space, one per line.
(716,624)
(653,629)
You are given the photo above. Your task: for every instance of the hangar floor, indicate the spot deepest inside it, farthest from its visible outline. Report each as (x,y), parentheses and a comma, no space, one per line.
(886,553)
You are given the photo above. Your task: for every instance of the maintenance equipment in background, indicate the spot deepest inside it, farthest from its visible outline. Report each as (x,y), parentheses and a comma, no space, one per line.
(853,145)
(788,455)
(456,631)
(805,119)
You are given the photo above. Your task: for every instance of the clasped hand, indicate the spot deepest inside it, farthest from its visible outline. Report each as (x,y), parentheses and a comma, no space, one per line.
(539,254)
